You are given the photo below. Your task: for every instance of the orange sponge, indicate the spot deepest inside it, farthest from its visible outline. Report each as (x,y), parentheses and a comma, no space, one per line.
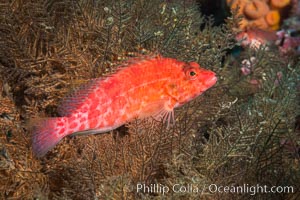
(273,17)
(280,3)
(259,23)
(264,14)
(256,9)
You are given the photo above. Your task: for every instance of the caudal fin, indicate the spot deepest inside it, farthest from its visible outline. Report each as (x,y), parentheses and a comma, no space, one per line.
(47,133)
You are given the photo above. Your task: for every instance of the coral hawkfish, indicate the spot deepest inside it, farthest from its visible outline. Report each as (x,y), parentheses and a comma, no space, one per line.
(255,38)
(144,87)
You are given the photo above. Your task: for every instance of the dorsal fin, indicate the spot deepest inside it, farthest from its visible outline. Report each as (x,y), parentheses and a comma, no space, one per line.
(73,101)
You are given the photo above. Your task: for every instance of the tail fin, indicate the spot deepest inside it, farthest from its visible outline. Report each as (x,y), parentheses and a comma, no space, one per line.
(47,133)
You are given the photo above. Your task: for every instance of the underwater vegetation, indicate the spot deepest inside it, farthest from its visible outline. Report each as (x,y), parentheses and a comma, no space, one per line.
(244,130)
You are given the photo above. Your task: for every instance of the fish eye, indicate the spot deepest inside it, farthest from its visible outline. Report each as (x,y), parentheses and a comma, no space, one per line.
(192,73)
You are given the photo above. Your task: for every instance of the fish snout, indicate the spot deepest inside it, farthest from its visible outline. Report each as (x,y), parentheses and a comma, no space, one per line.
(208,78)
(210,82)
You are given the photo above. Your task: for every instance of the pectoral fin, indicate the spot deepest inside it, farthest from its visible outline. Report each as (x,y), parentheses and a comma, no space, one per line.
(160,111)
(165,116)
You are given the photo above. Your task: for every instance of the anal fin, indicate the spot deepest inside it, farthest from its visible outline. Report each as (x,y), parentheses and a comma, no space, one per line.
(93,131)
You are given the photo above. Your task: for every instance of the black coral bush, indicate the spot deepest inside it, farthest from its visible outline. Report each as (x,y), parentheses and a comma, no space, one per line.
(236,133)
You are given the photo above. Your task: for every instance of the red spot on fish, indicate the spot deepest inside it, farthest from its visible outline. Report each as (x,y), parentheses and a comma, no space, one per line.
(95,114)
(61,131)
(93,96)
(83,119)
(73,125)
(60,123)
(82,127)
(94,105)
(93,123)
(84,109)
(72,118)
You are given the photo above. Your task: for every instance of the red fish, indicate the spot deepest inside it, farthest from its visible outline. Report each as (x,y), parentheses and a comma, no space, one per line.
(145,87)
(255,37)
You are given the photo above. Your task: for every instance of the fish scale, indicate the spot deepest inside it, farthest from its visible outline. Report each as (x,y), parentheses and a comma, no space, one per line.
(145,87)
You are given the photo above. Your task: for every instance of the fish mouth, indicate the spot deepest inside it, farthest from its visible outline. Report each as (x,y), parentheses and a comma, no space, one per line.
(211,82)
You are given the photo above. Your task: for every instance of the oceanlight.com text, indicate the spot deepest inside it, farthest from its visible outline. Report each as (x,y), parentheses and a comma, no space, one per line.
(212,188)
(250,189)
